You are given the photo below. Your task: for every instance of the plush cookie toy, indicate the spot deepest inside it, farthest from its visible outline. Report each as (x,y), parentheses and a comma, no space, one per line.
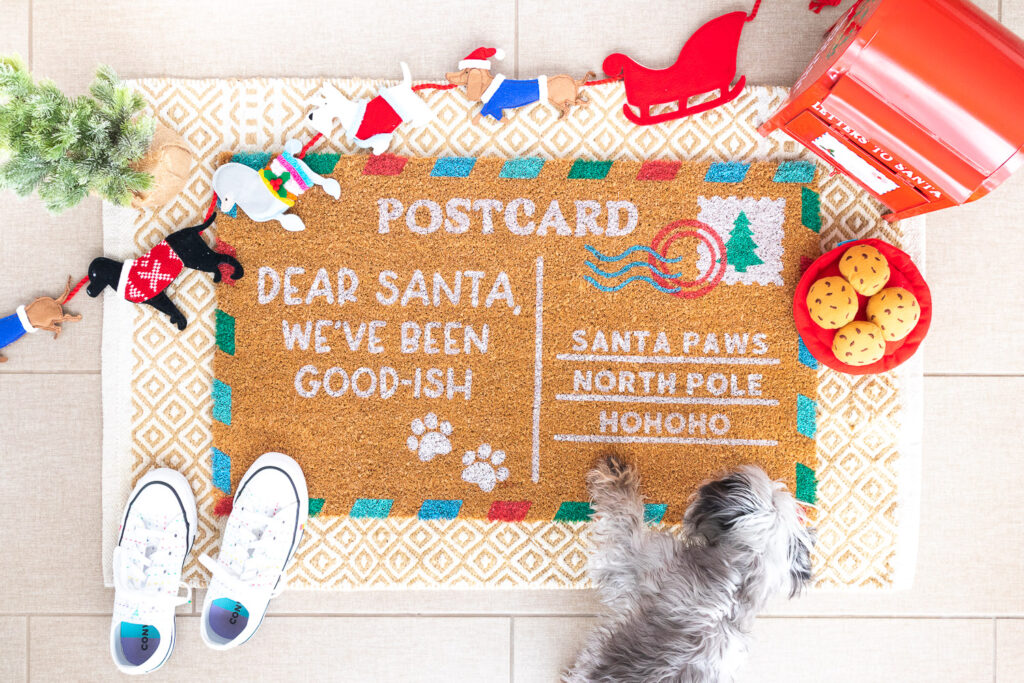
(865,268)
(859,343)
(832,302)
(896,311)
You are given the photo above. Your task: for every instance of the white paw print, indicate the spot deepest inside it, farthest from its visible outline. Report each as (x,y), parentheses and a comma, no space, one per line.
(480,467)
(430,437)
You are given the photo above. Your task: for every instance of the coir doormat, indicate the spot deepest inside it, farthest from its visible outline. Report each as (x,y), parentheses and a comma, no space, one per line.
(461,337)
(157,381)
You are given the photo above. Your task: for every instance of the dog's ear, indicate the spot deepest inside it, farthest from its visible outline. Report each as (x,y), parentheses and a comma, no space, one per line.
(758,523)
(475,84)
(801,541)
(718,506)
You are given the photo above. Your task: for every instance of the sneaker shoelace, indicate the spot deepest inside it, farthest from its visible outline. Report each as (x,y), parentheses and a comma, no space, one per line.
(250,560)
(140,573)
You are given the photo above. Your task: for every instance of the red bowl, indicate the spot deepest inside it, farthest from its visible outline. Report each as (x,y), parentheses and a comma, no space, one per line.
(903,273)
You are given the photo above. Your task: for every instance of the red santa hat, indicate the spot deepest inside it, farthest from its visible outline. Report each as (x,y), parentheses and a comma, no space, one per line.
(480,58)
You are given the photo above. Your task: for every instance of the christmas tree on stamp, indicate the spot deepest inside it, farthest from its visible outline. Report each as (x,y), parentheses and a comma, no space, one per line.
(741,245)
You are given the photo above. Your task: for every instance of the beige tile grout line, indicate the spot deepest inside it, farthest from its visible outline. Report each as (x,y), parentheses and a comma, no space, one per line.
(28,618)
(512,648)
(29,56)
(515,39)
(995,648)
(29,373)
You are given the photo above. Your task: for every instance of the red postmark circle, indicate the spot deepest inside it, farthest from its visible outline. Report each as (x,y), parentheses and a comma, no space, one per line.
(702,231)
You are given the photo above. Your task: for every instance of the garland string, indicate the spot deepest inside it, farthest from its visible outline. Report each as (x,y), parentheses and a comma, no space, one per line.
(71,294)
(434,86)
(604,80)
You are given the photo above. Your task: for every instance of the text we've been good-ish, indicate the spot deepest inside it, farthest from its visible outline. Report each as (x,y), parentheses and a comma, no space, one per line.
(297,286)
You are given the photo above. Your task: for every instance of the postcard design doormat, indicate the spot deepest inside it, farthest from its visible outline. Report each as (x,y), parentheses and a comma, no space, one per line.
(868,428)
(461,337)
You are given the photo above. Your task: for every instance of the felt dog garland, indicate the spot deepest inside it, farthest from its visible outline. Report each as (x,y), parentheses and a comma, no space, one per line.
(44,313)
(371,123)
(269,193)
(499,93)
(144,279)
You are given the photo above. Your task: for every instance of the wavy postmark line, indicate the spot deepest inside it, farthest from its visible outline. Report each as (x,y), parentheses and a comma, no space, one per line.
(633,264)
(615,288)
(638,247)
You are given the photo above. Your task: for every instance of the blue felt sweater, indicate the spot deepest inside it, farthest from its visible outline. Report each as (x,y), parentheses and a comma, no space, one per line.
(14,327)
(510,94)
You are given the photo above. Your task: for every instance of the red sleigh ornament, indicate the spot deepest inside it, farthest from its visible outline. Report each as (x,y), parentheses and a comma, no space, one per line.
(706,63)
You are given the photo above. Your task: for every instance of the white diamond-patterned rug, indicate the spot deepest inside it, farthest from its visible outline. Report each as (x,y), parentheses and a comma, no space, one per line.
(868,442)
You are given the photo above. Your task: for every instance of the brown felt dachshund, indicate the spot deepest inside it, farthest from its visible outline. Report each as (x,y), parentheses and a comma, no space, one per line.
(498,93)
(45,313)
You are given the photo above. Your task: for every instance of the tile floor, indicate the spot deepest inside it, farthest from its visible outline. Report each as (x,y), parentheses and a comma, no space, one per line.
(962,621)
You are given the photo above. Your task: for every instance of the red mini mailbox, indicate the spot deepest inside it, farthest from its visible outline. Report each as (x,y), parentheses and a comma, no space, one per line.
(917,100)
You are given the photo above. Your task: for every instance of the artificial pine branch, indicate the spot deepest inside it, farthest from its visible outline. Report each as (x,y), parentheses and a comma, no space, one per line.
(63,148)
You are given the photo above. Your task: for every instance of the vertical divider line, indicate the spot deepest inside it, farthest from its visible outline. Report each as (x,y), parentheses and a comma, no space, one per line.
(538,351)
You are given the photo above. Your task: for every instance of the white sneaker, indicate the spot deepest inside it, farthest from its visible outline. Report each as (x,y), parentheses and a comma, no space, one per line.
(263,532)
(157,531)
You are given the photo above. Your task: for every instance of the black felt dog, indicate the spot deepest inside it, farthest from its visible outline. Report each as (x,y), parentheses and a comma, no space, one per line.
(145,279)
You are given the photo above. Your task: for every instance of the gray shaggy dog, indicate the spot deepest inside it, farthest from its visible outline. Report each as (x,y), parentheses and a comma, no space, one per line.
(682,609)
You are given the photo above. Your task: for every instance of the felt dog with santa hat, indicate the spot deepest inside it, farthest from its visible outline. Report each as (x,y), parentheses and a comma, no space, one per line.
(499,93)
(370,123)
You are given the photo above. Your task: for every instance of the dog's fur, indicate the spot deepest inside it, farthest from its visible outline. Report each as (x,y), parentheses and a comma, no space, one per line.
(193,251)
(682,609)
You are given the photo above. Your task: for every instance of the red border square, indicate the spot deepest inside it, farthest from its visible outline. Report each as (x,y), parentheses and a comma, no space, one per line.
(509,510)
(384,164)
(659,170)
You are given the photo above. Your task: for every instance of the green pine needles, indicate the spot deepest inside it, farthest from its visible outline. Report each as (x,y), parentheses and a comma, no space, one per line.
(63,148)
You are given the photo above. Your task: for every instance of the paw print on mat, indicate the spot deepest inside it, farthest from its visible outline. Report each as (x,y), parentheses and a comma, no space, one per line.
(480,467)
(430,437)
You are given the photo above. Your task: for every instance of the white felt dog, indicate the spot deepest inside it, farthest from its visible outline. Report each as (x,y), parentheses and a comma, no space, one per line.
(370,123)
(268,193)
